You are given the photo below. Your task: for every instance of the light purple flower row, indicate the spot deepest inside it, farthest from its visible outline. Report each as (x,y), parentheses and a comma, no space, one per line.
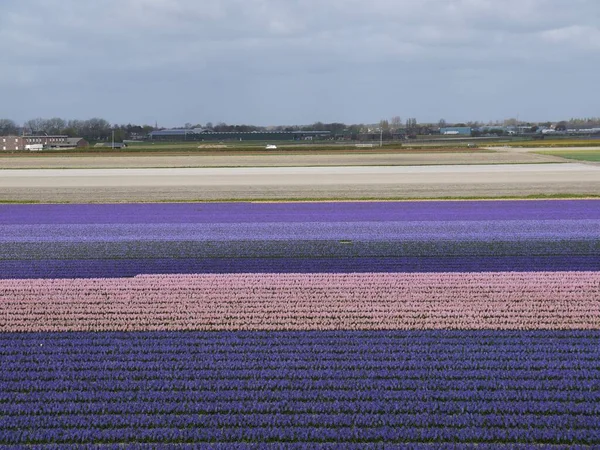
(300,212)
(369,231)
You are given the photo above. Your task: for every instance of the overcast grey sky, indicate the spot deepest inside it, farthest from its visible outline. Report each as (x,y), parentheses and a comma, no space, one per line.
(273,62)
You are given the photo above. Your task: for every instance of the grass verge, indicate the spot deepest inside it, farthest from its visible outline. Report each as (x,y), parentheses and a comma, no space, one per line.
(337,199)
(582,155)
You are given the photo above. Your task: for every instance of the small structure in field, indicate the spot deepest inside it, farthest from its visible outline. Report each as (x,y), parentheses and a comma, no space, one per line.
(117,145)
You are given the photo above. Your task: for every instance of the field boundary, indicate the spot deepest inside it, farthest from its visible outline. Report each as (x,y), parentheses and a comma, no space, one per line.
(325,200)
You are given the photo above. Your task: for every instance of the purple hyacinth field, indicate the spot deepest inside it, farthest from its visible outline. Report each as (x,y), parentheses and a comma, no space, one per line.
(419,325)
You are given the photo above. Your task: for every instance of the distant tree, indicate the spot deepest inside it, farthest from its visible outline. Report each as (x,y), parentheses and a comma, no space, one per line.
(8,127)
(209,125)
(355,131)
(561,126)
(221,127)
(97,129)
(442,123)
(188,126)
(56,125)
(411,125)
(120,133)
(384,125)
(396,123)
(71,132)
(35,126)
(335,127)
(512,122)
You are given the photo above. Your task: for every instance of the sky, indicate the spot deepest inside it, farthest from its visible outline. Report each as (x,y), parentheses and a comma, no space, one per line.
(284,62)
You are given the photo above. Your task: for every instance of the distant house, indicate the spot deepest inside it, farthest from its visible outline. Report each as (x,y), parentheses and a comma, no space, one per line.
(11,143)
(37,143)
(456,131)
(117,145)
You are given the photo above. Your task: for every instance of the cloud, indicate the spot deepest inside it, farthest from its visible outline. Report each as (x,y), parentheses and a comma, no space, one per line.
(268,61)
(574,37)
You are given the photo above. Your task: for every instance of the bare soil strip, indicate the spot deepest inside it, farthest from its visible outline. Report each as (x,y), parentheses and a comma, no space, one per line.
(127,161)
(114,185)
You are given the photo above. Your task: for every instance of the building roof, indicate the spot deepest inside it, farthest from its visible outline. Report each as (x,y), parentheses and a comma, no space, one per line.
(180,132)
(46,136)
(110,144)
(74,140)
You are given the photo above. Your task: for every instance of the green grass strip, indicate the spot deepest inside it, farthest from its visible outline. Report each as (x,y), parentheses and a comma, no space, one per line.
(331,199)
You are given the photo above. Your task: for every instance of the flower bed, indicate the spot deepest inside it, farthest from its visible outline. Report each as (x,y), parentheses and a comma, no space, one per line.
(314,325)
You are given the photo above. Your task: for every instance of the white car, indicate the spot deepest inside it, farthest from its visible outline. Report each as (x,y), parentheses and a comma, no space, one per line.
(271,147)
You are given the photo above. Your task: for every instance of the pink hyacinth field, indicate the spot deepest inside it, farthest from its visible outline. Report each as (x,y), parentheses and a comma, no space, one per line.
(499,301)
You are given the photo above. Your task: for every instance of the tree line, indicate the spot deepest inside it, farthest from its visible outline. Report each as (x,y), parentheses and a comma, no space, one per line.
(98,129)
(93,130)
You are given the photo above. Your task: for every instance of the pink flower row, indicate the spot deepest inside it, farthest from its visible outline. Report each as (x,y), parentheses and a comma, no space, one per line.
(545,300)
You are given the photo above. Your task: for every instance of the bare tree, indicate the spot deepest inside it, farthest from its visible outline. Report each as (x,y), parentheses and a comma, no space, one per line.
(8,127)
(396,123)
(54,126)
(35,126)
(411,124)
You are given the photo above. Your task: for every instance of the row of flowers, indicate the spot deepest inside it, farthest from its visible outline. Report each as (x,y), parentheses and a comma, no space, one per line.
(498,230)
(288,248)
(169,388)
(298,212)
(289,434)
(531,300)
(115,268)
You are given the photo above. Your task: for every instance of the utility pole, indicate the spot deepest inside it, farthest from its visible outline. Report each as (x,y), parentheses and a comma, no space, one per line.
(113,140)
(381,137)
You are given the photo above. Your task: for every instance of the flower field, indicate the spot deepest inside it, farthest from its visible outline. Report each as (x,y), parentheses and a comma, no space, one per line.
(415,325)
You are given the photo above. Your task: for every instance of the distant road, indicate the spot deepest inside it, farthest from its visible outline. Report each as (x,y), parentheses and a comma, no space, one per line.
(82,185)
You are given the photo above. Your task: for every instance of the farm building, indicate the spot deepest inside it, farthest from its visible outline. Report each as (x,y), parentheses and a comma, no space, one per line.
(198,134)
(11,143)
(456,131)
(74,142)
(15,143)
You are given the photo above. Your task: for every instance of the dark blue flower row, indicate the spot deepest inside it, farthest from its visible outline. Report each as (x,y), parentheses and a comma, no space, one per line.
(295,249)
(310,446)
(393,387)
(107,268)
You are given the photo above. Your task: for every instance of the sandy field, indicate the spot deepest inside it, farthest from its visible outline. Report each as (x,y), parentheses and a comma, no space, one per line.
(188,184)
(49,161)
